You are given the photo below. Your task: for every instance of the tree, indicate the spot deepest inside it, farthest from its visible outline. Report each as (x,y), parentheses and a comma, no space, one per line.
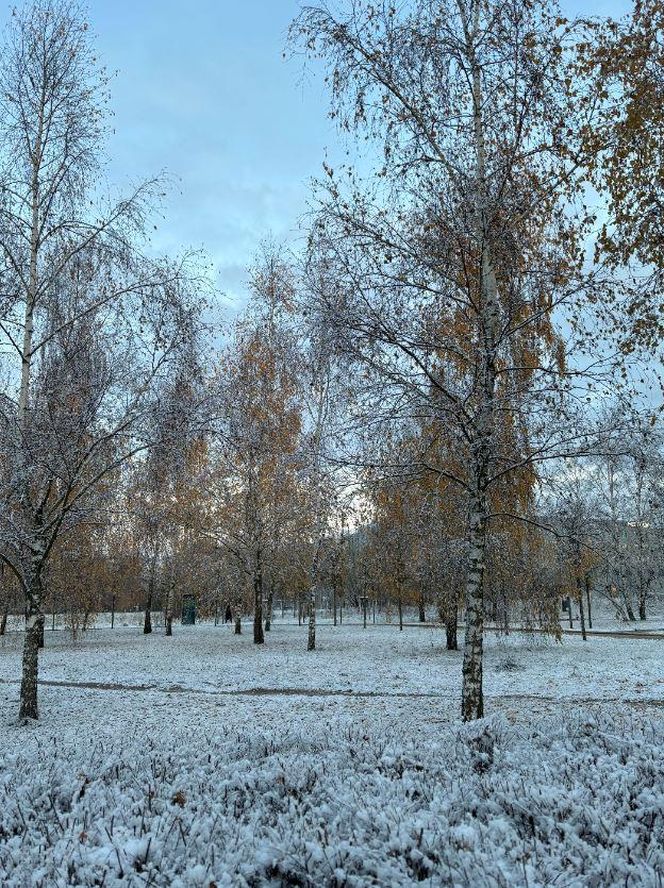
(319,371)
(627,59)
(258,436)
(392,540)
(627,501)
(91,327)
(78,571)
(450,264)
(327,399)
(166,500)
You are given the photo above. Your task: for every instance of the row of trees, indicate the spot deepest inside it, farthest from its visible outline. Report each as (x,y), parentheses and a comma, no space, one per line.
(246,543)
(427,406)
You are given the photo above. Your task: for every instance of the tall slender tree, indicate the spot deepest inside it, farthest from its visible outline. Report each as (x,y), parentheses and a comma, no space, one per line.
(450,263)
(258,435)
(90,327)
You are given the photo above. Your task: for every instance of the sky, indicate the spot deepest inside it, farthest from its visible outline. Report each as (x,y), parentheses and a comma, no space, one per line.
(202,92)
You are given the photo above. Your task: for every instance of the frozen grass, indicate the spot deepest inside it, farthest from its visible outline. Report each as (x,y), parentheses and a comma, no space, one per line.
(379,659)
(184,782)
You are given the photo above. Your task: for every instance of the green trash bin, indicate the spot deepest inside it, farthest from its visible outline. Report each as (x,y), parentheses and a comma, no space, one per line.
(188,610)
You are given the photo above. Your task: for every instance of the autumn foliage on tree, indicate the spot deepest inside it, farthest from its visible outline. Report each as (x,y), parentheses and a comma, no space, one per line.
(626,58)
(257,461)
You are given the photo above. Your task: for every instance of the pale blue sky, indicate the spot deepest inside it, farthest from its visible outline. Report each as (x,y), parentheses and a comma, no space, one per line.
(203,92)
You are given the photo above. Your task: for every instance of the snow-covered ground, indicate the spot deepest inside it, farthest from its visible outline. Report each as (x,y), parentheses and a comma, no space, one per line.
(378,660)
(202,759)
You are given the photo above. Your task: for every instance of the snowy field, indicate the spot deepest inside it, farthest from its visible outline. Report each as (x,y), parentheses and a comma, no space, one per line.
(203,760)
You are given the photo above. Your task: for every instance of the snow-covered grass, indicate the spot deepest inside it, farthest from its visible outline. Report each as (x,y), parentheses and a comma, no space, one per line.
(605,617)
(345,767)
(378,660)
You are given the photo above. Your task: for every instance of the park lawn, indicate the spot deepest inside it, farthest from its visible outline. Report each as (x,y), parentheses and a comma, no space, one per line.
(205,760)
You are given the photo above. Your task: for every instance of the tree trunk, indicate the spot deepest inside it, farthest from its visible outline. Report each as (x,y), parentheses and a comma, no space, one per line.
(259,635)
(588,602)
(238,617)
(311,635)
(169,609)
(28,707)
(400,607)
(629,610)
(113,611)
(422,612)
(489,327)
(472,701)
(582,615)
(334,601)
(147,622)
(5,611)
(451,626)
(643,582)
(270,602)
(643,596)
(34,631)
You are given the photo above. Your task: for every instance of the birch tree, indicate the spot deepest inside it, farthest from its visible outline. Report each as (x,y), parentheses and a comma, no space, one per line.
(257,451)
(90,327)
(327,398)
(320,380)
(450,262)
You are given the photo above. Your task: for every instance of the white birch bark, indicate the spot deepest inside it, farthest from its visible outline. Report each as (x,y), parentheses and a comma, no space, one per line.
(316,484)
(472,703)
(32,575)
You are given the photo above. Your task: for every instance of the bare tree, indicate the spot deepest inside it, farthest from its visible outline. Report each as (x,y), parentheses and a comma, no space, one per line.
(90,327)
